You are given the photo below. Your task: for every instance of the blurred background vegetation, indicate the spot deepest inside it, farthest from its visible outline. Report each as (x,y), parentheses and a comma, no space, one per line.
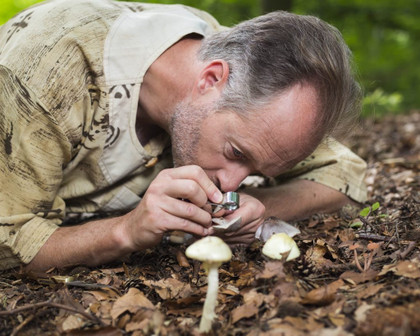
(381,33)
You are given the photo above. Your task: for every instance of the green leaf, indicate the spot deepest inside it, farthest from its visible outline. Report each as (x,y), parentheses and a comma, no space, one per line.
(365,212)
(375,206)
(356,225)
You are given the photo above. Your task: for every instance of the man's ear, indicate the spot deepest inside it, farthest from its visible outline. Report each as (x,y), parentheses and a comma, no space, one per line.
(214,75)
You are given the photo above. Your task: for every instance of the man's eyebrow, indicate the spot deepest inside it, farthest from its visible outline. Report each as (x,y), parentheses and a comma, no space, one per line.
(278,162)
(273,169)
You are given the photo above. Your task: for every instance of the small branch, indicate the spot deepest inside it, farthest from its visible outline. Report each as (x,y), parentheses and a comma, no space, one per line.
(6,284)
(351,266)
(411,246)
(53,305)
(94,286)
(20,326)
(372,236)
(396,235)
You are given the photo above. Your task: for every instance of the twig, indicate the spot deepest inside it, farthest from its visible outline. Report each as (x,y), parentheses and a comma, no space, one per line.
(373,236)
(53,305)
(408,250)
(20,326)
(365,222)
(348,266)
(90,286)
(6,284)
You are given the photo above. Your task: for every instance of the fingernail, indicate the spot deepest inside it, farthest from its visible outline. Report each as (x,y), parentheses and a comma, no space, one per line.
(217,197)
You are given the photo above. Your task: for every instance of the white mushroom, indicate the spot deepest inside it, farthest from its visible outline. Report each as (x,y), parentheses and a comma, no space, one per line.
(278,245)
(273,225)
(212,251)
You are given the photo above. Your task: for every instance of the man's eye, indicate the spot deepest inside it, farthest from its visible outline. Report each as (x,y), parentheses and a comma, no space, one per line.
(237,154)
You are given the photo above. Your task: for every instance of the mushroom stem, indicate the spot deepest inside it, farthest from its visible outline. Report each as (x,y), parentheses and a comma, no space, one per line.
(211,298)
(212,251)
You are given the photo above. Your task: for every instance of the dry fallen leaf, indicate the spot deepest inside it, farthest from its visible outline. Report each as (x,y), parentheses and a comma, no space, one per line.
(170,288)
(359,277)
(252,301)
(316,255)
(394,320)
(140,321)
(361,312)
(244,311)
(405,268)
(337,319)
(323,295)
(132,302)
(104,294)
(369,291)
(308,324)
(253,297)
(331,332)
(271,269)
(75,321)
(104,331)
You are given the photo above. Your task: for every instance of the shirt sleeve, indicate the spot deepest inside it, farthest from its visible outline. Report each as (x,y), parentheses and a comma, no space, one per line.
(334,165)
(33,152)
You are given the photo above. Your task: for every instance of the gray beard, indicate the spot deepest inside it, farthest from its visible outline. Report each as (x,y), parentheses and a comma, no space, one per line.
(185,132)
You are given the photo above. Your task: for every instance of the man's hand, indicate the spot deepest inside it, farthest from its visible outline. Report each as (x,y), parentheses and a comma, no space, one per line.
(173,201)
(251,212)
(160,210)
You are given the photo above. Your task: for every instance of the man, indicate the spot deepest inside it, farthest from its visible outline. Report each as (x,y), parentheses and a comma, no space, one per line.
(92,91)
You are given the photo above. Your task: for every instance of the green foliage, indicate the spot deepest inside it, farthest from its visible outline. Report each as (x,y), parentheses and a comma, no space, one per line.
(369,210)
(382,34)
(365,213)
(380,103)
(11,7)
(227,12)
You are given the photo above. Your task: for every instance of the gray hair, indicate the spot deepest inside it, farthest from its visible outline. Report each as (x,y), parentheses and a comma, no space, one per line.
(271,53)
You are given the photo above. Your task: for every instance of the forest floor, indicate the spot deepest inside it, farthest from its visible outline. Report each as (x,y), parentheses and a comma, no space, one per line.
(357,275)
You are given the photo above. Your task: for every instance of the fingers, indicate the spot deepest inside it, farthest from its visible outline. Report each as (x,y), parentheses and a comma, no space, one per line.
(188,190)
(252,213)
(162,208)
(185,225)
(187,183)
(187,211)
(198,175)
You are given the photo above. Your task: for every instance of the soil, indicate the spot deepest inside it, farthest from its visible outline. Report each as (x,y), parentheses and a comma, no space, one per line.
(358,274)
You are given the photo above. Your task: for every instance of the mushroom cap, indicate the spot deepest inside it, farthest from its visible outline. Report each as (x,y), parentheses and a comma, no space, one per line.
(209,249)
(278,244)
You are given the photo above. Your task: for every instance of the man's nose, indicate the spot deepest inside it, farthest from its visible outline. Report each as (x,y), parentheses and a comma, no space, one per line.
(231,178)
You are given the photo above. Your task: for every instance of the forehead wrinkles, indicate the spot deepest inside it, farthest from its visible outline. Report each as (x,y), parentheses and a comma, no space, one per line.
(277,159)
(261,147)
(273,146)
(281,132)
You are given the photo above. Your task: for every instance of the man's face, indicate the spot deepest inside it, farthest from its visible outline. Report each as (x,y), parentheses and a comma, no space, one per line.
(229,146)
